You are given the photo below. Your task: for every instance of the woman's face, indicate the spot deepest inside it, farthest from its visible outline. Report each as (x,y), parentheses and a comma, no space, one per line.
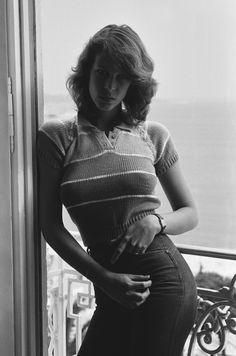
(107,84)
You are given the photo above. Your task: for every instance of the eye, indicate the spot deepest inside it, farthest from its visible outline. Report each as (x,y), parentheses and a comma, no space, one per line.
(101,72)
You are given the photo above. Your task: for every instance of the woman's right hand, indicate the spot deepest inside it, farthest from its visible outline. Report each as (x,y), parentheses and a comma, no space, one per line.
(127,289)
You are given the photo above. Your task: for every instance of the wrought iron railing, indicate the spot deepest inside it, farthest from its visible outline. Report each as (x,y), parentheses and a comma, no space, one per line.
(214,332)
(215,323)
(70,305)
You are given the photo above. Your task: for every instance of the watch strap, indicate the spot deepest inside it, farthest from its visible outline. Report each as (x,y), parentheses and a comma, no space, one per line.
(161,222)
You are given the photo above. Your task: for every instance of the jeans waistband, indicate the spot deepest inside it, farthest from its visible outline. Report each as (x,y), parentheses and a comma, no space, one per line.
(160,243)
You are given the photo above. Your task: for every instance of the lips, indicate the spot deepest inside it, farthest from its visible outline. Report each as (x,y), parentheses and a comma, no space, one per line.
(106,98)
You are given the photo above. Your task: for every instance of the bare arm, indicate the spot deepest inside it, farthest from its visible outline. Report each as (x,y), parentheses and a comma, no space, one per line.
(129,290)
(184,216)
(54,232)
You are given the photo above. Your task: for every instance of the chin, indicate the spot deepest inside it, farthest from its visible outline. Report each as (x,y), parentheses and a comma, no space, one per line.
(105,107)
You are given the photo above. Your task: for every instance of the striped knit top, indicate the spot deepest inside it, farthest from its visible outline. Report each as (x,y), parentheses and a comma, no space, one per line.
(107,181)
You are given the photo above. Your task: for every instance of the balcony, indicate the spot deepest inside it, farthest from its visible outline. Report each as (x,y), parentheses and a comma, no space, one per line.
(71,304)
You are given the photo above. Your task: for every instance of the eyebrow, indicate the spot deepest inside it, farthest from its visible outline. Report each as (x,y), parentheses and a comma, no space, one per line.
(117,70)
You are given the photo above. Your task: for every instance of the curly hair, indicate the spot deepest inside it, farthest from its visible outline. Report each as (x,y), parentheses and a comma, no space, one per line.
(125,47)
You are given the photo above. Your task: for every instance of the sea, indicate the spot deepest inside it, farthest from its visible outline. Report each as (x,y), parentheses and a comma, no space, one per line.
(204,133)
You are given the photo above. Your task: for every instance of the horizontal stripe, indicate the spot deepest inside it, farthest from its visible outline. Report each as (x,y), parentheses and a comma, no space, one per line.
(107,176)
(57,141)
(86,158)
(134,184)
(107,164)
(108,152)
(112,199)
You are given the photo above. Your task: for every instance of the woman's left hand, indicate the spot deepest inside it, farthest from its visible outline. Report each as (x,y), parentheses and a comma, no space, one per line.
(138,237)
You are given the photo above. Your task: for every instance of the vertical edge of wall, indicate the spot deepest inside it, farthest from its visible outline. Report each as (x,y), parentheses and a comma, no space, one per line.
(7,337)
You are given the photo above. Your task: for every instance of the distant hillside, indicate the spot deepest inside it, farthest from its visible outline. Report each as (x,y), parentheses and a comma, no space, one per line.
(51,98)
(58,106)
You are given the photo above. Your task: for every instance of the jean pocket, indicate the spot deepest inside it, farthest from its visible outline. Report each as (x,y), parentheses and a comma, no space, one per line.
(164,272)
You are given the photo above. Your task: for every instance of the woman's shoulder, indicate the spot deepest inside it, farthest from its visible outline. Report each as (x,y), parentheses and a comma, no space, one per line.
(166,153)
(156,131)
(156,128)
(54,127)
(54,139)
(60,131)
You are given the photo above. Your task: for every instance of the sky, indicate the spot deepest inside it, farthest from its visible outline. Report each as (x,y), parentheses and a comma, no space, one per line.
(192,42)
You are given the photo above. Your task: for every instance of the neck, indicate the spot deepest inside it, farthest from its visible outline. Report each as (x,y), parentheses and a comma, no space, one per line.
(106,120)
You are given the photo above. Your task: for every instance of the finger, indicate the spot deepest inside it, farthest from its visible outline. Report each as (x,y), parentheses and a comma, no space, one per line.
(140,298)
(139,277)
(119,250)
(141,286)
(143,249)
(138,251)
(144,296)
(134,249)
(137,299)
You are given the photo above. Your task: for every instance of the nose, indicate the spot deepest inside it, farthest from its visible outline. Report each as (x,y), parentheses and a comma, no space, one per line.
(110,83)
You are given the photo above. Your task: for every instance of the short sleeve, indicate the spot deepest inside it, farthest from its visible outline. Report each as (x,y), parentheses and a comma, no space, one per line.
(166,154)
(51,143)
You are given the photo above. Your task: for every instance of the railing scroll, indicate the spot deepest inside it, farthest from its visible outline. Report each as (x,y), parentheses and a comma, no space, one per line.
(216,320)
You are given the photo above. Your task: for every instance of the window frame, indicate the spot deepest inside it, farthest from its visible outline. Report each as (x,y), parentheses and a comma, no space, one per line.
(6,260)
(24,74)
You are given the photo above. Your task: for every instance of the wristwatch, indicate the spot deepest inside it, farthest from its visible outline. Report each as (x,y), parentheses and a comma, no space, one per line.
(161,222)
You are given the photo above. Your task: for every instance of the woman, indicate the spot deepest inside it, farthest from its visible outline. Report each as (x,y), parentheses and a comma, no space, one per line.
(104,166)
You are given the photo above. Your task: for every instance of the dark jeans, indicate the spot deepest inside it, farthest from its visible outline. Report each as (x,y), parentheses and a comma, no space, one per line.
(160,326)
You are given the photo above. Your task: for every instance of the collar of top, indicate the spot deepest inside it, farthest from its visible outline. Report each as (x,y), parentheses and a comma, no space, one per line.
(84,122)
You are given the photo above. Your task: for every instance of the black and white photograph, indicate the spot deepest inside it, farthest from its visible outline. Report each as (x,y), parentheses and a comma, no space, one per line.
(118,178)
